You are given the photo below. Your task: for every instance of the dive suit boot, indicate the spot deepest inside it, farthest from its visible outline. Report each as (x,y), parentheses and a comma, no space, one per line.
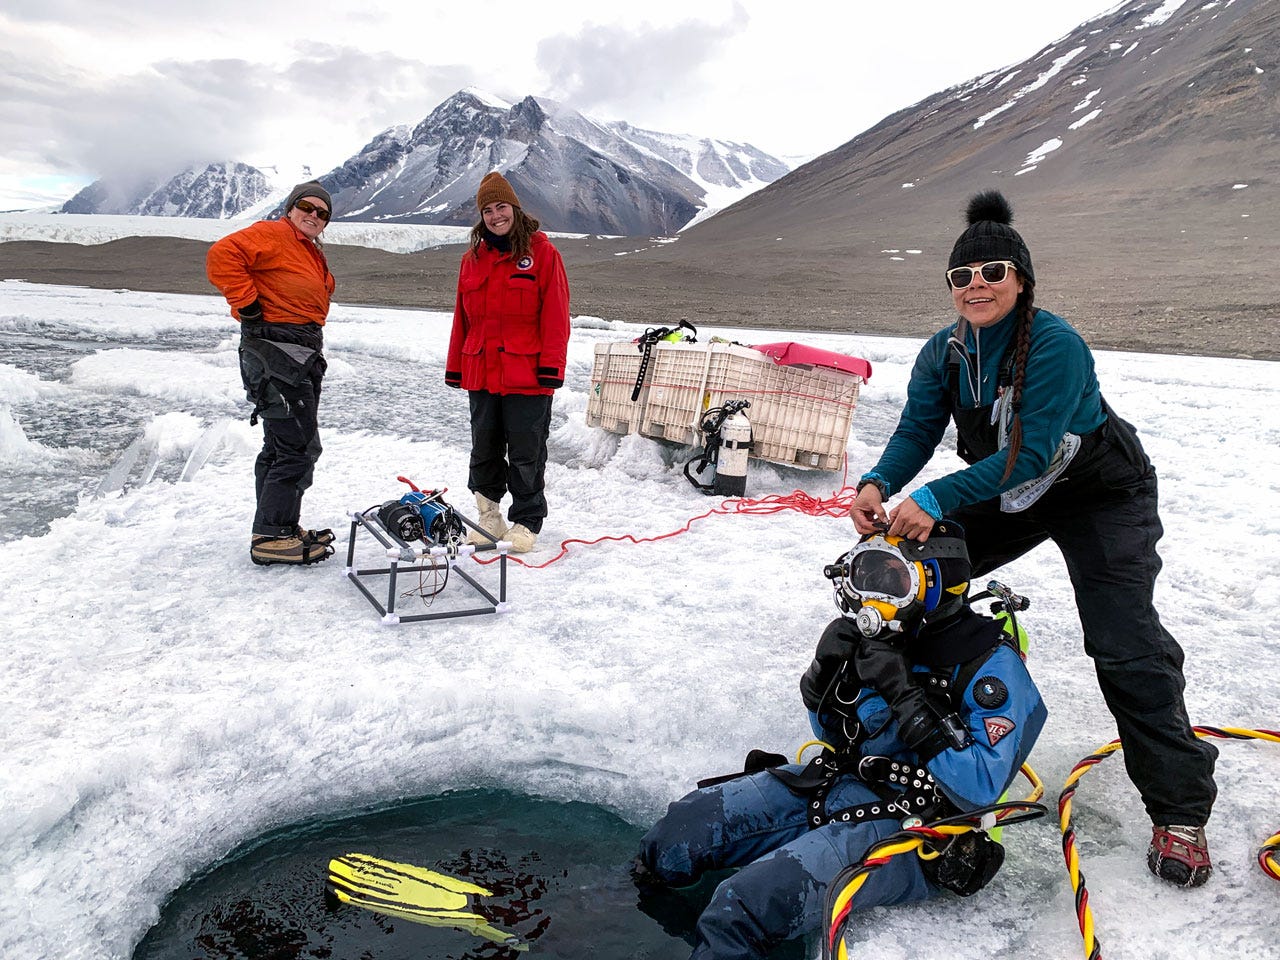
(490,520)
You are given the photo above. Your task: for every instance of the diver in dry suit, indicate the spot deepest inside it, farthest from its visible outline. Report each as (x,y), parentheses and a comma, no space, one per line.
(1049,460)
(927,710)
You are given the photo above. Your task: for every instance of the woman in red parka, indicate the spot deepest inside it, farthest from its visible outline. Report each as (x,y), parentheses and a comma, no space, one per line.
(510,336)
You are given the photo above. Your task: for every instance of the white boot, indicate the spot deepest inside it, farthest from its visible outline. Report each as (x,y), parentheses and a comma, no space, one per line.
(522,538)
(490,520)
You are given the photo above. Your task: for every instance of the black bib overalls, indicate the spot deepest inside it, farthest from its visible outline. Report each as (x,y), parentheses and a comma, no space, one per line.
(1102,514)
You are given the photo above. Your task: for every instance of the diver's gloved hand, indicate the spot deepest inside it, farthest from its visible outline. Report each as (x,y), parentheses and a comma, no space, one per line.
(836,647)
(929,731)
(923,727)
(883,665)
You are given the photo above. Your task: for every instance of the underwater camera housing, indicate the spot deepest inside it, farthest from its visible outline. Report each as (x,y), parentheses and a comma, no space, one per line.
(401,520)
(420,515)
(422,536)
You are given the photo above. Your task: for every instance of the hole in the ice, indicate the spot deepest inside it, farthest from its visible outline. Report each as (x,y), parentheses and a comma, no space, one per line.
(559,873)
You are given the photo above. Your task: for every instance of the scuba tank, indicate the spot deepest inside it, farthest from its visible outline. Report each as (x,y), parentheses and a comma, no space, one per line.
(727,447)
(731,465)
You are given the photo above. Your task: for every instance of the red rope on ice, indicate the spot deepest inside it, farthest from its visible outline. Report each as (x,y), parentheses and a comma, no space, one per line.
(837,505)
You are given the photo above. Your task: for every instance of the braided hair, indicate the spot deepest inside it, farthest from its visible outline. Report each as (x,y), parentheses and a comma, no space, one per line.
(1026,310)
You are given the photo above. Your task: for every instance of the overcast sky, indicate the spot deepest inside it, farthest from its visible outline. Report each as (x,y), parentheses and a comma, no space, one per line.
(91,88)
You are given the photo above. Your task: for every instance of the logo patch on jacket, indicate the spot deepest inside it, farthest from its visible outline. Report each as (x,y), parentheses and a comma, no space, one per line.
(998,728)
(525,262)
(990,692)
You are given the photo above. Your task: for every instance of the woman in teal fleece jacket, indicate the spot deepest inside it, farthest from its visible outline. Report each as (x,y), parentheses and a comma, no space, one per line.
(1049,460)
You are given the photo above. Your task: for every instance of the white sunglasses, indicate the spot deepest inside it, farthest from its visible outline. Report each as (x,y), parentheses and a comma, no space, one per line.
(993,272)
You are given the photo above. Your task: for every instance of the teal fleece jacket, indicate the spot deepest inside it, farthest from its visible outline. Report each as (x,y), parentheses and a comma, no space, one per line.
(1060,395)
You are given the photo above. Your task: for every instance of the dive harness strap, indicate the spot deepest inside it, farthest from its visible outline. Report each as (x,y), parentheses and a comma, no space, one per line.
(756,761)
(712,424)
(904,790)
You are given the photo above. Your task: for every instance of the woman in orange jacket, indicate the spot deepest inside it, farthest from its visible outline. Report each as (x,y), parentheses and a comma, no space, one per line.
(508,346)
(277,281)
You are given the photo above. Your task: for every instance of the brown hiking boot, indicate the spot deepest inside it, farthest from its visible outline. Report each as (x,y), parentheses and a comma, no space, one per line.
(293,550)
(323,536)
(1180,855)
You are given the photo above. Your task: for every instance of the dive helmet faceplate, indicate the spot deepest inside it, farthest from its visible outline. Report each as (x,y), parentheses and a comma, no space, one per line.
(892,584)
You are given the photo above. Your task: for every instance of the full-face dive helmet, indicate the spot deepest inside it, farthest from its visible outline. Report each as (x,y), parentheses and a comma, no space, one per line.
(891,584)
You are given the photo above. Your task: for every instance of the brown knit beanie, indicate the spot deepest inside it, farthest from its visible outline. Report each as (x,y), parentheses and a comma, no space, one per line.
(990,236)
(495,189)
(311,188)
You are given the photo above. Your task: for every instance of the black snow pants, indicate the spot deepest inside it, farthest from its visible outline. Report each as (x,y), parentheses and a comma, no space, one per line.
(290,449)
(282,369)
(509,452)
(1103,517)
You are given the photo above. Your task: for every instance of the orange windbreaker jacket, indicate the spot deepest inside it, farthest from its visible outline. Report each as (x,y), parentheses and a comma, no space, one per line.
(271,262)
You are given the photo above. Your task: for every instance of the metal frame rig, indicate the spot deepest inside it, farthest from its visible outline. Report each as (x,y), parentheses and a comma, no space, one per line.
(424,556)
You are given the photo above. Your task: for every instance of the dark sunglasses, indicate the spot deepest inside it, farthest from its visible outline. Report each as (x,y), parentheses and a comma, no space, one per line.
(306,206)
(993,272)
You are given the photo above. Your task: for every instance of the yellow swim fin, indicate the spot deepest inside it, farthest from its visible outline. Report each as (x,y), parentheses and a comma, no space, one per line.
(414,893)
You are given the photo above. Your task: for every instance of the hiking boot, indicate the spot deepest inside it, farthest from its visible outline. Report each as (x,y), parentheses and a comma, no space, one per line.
(521,538)
(323,536)
(1180,855)
(293,550)
(490,520)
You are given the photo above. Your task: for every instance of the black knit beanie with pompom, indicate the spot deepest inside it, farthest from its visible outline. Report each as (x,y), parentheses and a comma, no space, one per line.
(990,236)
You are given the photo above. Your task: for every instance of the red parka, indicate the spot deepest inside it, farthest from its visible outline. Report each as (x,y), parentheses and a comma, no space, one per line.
(510,322)
(273,263)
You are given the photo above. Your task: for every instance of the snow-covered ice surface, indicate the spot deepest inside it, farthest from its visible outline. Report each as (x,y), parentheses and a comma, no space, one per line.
(167,700)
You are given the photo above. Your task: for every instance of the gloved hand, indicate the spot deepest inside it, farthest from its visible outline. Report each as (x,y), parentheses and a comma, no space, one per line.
(836,647)
(967,863)
(250,313)
(883,665)
(922,726)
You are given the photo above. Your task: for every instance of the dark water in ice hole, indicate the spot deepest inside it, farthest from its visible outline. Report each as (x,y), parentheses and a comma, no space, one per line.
(559,872)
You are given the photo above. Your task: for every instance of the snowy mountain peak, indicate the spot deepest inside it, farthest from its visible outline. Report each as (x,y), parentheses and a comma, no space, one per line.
(574,172)
(486,97)
(219,191)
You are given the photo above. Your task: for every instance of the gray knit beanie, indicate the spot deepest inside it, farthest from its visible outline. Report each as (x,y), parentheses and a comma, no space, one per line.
(311,188)
(989,235)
